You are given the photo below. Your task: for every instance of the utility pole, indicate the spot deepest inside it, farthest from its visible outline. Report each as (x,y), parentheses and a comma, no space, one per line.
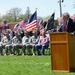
(60,7)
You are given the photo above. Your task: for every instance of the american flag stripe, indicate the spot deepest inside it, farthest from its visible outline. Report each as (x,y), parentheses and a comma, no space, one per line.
(30,26)
(34,25)
(31,29)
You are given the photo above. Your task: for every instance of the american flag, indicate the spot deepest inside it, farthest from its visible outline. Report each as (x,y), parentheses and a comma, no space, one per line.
(3,31)
(39,24)
(26,21)
(16,27)
(21,24)
(32,25)
(4,23)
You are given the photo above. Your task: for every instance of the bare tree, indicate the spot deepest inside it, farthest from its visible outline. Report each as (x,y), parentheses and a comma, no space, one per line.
(14,13)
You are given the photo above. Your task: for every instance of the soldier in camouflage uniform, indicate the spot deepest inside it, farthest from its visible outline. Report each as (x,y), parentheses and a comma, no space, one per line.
(25,43)
(16,43)
(34,40)
(6,43)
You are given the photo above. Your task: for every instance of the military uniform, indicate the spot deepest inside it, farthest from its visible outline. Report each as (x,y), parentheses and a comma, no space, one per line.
(34,40)
(25,43)
(6,43)
(16,43)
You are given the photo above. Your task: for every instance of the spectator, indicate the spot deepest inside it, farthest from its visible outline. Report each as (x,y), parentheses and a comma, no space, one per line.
(42,43)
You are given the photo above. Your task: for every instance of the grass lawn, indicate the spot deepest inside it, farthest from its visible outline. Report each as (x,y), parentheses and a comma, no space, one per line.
(27,65)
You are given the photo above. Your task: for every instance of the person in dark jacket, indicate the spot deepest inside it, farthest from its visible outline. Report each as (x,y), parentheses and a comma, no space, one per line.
(68,24)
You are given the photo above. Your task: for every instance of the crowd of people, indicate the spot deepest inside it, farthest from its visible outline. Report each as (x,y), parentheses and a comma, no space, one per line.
(35,42)
(24,43)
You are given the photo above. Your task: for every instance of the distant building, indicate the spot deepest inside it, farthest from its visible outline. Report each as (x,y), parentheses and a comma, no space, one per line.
(9,26)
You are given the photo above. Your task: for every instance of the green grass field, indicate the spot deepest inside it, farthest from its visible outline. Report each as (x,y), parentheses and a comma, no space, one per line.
(27,65)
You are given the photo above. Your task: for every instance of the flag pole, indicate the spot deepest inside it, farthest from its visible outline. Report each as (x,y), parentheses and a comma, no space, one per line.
(36,11)
(36,14)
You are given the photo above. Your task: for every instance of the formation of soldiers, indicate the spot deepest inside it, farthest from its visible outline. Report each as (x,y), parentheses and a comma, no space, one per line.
(11,45)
